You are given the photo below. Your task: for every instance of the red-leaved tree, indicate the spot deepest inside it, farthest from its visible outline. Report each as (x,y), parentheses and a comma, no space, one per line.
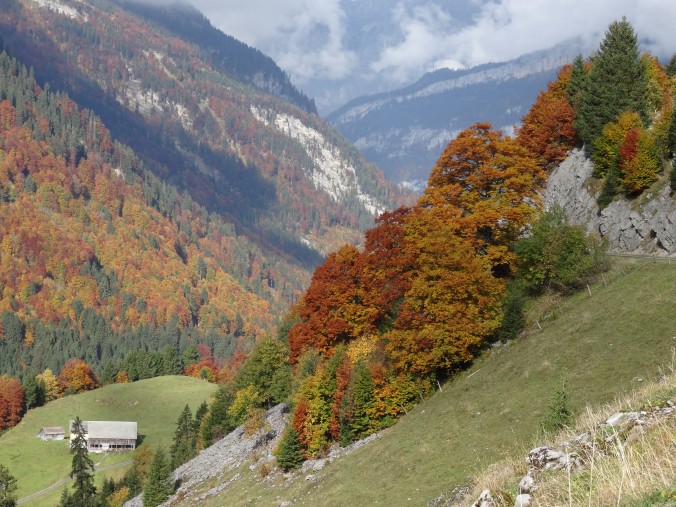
(11,402)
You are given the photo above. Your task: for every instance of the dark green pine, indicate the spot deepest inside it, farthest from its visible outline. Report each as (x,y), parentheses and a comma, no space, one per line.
(616,83)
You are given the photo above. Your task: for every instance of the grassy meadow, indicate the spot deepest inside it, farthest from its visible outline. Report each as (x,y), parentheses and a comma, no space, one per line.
(606,345)
(154,403)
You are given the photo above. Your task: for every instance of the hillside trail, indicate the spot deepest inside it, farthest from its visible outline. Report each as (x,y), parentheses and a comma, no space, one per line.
(65,480)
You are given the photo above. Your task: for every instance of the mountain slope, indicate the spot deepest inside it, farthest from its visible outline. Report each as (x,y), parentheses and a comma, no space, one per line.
(603,346)
(100,257)
(403,131)
(224,52)
(152,403)
(183,206)
(193,123)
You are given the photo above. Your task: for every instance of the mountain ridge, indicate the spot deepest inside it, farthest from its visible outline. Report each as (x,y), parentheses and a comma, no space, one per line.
(403,130)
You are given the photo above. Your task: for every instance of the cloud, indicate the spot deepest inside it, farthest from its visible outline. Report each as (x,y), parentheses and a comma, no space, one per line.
(507,29)
(386,44)
(425,29)
(303,36)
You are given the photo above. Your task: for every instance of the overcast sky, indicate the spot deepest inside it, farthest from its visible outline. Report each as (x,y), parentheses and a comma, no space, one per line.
(343,48)
(309,39)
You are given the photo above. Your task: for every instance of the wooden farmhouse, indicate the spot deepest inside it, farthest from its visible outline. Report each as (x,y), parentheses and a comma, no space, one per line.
(104,436)
(52,433)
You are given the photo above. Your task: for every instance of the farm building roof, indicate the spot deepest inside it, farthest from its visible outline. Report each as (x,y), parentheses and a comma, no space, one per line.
(108,429)
(53,430)
(111,429)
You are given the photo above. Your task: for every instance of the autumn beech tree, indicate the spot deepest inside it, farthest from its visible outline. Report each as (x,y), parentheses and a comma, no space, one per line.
(453,304)
(485,188)
(332,309)
(547,129)
(77,376)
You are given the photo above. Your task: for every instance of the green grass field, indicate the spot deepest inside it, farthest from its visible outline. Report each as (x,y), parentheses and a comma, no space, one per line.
(605,344)
(155,404)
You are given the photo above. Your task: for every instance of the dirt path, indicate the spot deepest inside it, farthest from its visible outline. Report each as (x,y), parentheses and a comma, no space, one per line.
(67,479)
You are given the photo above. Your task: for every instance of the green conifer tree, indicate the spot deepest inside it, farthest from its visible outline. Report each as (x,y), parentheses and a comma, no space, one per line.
(7,488)
(577,83)
(671,134)
(191,355)
(610,188)
(289,453)
(34,395)
(199,415)
(65,500)
(617,82)
(559,414)
(82,470)
(671,67)
(362,398)
(171,363)
(158,486)
(183,448)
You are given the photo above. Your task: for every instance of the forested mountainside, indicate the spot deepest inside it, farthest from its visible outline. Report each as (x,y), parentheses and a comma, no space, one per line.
(224,52)
(100,257)
(278,173)
(148,199)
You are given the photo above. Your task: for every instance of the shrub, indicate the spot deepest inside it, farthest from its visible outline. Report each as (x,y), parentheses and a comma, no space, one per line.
(558,255)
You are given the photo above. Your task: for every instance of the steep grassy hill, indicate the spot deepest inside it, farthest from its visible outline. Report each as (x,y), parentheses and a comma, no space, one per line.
(155,404)
(605,345)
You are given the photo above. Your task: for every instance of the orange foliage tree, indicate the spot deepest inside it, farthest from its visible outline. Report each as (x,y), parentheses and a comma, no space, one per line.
(77,376)
(547,129)
(639,161)
(332,310)
(11,402)
(422,297)
(453,304)
(485,187)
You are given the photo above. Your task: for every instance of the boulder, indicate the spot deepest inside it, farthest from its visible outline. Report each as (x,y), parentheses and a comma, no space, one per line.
(545,458)
(485,499)
(527,484)
(523,500)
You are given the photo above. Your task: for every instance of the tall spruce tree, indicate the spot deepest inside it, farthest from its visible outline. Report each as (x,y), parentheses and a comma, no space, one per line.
(82,469)
(158,486)
(617,82)
(34,394)
(289,453)
(577,83)
(183,448)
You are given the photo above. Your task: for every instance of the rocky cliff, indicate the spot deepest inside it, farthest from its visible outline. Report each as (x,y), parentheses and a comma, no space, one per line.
(644,225)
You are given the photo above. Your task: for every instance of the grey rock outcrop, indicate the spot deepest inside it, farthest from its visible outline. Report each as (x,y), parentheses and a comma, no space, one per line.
(227,454)
(645,225)
(620,429)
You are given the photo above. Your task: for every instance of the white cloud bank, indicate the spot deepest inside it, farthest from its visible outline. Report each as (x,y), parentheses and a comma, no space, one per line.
(308,37)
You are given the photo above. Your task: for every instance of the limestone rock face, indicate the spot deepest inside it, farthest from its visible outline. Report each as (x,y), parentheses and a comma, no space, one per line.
(645,225)
(526,485)
(227,454)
